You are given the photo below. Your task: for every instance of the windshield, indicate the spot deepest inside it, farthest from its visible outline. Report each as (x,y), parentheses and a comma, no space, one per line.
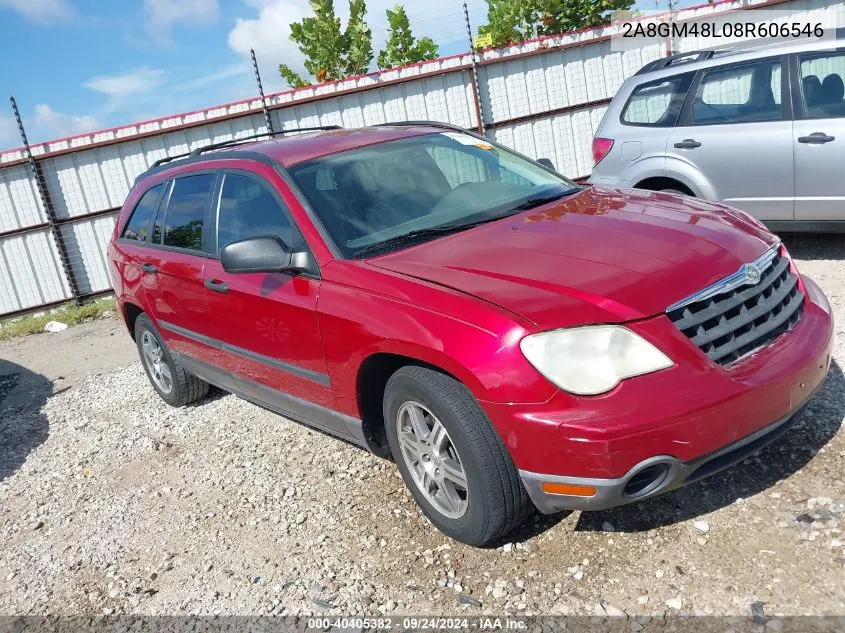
(393,193)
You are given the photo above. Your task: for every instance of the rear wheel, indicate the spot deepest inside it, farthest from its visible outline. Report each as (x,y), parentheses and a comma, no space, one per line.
(677,192)
(176,386)
(451,458)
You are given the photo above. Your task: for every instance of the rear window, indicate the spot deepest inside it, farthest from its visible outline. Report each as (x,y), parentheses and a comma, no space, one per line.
(657,103)
(186,211)
(138,226)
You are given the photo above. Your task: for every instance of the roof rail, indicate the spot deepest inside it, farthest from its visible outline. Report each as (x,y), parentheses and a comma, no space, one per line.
(448,126)
(676,59)
(733,47)
(235,141)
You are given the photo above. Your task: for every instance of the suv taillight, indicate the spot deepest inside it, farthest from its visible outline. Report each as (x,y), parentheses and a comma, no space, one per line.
(601,147)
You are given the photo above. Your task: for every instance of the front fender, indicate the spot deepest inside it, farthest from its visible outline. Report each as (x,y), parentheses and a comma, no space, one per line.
(475,342)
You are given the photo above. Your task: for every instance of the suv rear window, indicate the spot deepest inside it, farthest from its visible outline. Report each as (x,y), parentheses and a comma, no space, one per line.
(186,211)
(657,103)
(138,226)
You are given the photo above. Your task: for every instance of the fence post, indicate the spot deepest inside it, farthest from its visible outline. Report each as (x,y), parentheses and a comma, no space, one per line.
(476,91)
(46,202)
(267,119)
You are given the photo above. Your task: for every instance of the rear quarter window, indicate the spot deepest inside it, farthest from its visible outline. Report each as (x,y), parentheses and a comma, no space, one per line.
(187,209)
(657,103)
(138,226)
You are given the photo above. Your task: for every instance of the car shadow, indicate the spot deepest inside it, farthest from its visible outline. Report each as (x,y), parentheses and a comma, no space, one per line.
(814,247)
(23,427)
(819,423)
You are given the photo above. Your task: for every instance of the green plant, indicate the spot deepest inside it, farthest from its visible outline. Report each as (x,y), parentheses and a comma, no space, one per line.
(69,314)
(511,21)
(331,53)
(402,47)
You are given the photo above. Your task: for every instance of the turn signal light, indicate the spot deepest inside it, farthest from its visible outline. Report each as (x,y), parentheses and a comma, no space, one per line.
(568,489)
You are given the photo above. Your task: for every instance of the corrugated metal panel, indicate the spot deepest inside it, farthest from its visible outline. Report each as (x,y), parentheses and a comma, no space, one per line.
(565,139)
(30,272)
(19,203)
(86,243)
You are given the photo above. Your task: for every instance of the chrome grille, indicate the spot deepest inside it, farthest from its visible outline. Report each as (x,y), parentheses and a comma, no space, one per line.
(736,316)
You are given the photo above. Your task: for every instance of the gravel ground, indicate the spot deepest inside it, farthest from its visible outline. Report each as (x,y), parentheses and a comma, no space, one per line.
(112,502)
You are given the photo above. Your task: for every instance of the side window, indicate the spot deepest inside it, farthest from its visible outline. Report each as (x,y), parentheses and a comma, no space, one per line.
(823,85)
(657,103)
(739,94)
(248,209)
(138,226)
(186,211)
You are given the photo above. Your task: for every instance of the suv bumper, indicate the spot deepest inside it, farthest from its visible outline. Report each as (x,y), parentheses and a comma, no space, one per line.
(657,432)
(650,477)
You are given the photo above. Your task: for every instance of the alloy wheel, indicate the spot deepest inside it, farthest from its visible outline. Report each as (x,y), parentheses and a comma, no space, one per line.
(432,459)
(154,360)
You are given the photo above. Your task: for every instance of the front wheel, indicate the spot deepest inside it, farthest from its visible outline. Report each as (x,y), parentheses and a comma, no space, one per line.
(451,458)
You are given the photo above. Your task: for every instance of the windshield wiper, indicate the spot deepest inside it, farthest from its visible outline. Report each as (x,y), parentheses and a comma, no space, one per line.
(412,236)
(445,229)
(541,200)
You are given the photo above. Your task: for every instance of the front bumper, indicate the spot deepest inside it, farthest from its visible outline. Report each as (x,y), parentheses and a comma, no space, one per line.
(652,476)
(687,422)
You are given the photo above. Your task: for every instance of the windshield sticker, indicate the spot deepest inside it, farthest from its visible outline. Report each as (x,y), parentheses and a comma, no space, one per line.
(466,139)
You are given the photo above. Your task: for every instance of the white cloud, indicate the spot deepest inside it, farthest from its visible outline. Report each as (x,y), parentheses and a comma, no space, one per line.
(233,71)
(163,14)
(269,32)
(42,11)
(269,35)
(9,135)
(47,123)
(126,84)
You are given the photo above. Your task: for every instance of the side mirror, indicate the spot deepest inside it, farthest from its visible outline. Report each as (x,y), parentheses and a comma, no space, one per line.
(547,163)
(263,254)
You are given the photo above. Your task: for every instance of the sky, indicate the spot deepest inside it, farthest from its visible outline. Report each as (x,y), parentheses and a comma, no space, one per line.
(76,66)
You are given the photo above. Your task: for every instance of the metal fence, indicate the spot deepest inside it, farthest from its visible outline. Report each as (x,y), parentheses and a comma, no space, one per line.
(542,97)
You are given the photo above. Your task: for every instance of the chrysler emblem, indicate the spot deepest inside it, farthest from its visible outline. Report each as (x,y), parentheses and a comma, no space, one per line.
(752,274)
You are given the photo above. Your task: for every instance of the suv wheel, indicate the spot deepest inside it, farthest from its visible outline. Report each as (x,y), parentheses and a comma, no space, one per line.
(451,458)
(175,385)
(677,192)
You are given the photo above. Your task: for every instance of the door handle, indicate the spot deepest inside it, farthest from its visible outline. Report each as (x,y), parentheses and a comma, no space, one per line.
(816,138)
(688,143)
(216,285)
(149,268)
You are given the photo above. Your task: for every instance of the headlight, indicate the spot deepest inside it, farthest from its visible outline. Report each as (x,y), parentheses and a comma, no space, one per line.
(590,360)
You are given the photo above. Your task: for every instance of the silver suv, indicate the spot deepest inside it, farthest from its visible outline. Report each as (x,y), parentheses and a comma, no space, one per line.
(759,127)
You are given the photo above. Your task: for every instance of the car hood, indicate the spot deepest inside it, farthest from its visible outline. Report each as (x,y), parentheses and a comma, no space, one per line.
(600,255)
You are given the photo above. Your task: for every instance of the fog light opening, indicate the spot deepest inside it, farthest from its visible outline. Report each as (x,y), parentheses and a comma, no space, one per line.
(646,481)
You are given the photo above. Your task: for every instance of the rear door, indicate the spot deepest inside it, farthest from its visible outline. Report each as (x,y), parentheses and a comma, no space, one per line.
(735,132)
(819,136)
(172,268)
(267,322)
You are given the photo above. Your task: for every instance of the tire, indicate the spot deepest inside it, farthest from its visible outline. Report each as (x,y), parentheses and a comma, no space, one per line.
(494,500)
(184,386)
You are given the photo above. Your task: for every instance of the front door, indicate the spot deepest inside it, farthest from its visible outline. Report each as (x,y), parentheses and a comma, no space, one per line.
(819,137)
(267,322)
(736,132)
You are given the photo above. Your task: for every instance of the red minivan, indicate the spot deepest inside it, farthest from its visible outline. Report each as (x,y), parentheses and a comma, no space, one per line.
(511,339)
